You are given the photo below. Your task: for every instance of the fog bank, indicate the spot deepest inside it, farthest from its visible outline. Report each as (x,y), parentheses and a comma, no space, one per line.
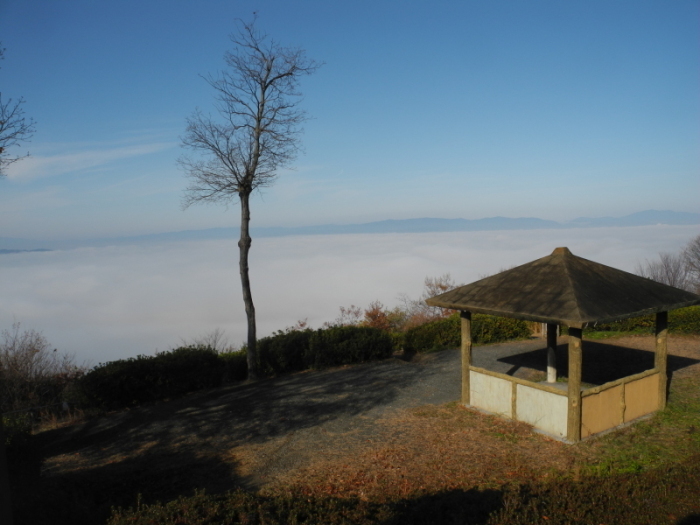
(116,302)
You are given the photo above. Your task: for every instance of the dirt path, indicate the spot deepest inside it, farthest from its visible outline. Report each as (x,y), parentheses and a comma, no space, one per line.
(364,430)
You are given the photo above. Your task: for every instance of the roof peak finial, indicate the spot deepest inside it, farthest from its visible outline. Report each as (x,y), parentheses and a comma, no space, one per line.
(561,251)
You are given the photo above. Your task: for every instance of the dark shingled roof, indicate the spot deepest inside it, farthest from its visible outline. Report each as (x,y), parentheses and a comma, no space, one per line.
(565,289)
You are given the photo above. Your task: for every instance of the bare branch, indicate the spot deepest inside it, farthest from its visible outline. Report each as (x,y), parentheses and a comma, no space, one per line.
(259,126)
(668,269)
(15,128)
(691,257)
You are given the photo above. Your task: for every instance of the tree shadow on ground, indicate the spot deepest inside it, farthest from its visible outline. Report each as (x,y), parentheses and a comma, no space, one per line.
(466,507)
(173,447)
(252,412)
(87,495)
(601,362)
(651,497)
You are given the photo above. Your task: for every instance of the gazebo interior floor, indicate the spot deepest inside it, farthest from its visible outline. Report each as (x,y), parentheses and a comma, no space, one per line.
(602,361)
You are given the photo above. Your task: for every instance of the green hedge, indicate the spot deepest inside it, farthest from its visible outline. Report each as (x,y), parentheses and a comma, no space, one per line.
(344,345)
(447,333)
(130,382)
(283,352)
(682,321)
(235,365)
(296,350)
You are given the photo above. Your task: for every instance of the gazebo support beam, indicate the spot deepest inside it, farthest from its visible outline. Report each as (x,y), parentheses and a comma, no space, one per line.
(466,353)
(661,355)
(551,353)
(574,392)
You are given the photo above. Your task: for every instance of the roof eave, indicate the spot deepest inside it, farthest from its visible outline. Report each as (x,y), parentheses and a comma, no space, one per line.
(572,323)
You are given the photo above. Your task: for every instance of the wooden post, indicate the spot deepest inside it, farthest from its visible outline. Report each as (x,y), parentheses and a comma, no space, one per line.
(466,353)
(661,356)
(575,359)
(551,352)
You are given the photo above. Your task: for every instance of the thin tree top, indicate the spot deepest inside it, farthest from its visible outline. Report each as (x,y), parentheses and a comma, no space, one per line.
(15,128)
(258,128)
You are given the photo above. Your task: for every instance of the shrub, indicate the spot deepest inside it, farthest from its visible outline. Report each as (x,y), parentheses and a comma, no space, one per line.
(32,374)
(240,507)
(681,321)
(343,345)
(434,336)
(17,429)
(235,364)
(447,333)
(685,320)
(129,382)
(398,340)
(283,352)
(22,456)
(491,329)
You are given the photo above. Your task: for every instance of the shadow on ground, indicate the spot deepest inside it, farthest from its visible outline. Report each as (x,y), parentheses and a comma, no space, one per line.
(466,507)
(86,496)
(172,448)
(601,362)
(251,412)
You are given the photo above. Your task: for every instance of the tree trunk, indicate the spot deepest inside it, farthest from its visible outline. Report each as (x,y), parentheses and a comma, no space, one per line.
(244,247)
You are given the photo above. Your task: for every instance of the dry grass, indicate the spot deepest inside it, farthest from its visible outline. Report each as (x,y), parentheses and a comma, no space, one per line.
(432,449)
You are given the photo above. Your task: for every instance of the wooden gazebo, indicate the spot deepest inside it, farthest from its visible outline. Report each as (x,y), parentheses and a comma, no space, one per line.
(563,289)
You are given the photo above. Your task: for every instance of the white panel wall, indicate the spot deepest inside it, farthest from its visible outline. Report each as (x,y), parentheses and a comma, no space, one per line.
(542,410)
(489,393)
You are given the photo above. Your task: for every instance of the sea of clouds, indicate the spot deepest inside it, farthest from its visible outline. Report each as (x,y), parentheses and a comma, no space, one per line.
(115,302)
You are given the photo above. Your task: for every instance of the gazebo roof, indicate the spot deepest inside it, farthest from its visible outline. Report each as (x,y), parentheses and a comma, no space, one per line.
(565,289)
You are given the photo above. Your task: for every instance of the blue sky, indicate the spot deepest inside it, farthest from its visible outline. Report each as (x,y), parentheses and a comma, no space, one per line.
(442,109)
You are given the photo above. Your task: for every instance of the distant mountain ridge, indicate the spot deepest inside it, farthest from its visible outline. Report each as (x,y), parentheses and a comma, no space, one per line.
(426,225)
(641,218)
(422,225)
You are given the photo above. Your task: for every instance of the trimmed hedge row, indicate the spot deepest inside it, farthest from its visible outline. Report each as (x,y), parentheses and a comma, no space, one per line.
(284,352)
(682,321)
(130,382)
(142,379)
(447,333)
(344,345)
(339,345)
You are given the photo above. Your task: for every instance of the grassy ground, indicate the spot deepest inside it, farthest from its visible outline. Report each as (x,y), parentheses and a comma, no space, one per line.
(431,464)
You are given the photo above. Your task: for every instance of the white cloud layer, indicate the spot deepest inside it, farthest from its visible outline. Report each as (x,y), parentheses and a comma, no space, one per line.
(116,302)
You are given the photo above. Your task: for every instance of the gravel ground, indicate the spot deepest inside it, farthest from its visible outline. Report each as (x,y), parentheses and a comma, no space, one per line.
(253,434)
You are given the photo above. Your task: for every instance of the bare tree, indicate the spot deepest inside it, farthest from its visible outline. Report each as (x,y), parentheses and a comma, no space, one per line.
(14,128)
(257,134)
(669,269)
(216,340)
(30,374)
(33,374)
(691,256)
(417,311)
